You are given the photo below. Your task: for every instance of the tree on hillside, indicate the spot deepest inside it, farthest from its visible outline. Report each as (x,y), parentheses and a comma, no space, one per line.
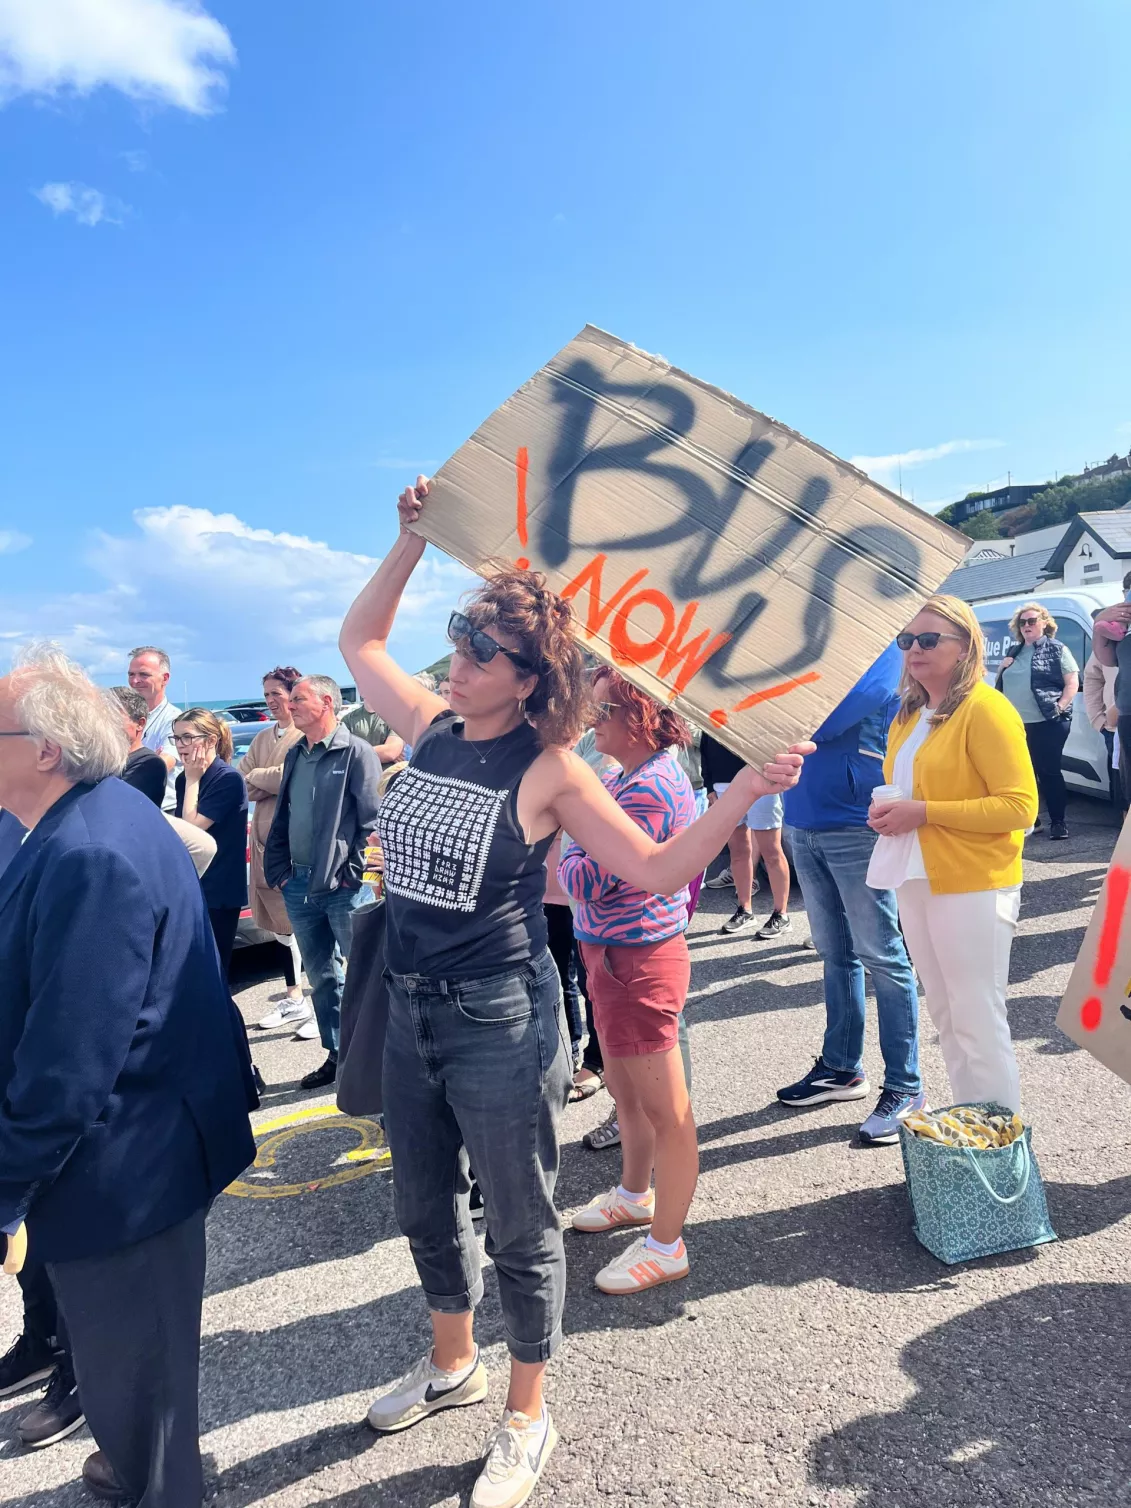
(1056,504)
(980,526)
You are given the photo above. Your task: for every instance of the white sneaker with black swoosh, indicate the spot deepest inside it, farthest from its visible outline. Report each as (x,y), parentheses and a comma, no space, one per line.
(519,1449)
(425,1390)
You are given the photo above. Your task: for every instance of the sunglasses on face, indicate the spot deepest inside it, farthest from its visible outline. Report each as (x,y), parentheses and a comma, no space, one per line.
(483,648)
(925,641)
(1028,622)
(604,710)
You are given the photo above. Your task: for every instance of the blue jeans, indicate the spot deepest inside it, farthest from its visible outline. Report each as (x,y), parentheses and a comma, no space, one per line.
(856,928)
(482,1065)
(324,928)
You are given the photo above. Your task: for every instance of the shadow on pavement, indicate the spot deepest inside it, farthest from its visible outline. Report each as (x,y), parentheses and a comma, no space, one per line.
(1017,1403)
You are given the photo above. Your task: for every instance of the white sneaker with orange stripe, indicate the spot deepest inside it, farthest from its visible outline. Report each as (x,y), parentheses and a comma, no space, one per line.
(611,1210)
(639,1267)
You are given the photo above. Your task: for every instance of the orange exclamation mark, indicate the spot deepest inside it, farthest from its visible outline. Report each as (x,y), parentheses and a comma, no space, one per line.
(1118,885)
(521,466)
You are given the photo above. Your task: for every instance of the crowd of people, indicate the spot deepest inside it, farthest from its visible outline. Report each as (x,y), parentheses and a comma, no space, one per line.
(543,828)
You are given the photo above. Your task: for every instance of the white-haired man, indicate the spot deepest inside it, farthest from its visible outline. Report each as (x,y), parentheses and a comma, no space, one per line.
(118,1126)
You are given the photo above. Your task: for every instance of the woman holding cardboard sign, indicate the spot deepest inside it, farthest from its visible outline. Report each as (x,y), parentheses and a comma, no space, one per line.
(477,1055)
(952,826)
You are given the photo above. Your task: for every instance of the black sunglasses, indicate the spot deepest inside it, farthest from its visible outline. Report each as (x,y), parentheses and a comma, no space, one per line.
(1027,622)
(925,641)
(483,647)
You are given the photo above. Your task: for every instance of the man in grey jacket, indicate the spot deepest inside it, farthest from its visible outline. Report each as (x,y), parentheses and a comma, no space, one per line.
(326,810)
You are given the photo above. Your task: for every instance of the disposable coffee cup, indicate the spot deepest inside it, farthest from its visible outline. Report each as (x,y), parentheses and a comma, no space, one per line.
(882,793)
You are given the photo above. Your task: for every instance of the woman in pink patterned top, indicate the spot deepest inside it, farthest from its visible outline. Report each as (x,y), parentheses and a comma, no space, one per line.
(638,969)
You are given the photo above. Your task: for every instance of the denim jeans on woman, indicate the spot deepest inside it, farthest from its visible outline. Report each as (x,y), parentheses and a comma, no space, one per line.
(482,1065)
(854,929)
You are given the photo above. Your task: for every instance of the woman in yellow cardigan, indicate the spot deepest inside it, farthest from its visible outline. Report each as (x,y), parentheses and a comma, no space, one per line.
(950,843)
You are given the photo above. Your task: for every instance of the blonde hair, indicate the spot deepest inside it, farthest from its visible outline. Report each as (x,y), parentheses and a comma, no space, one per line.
(1049,629)
(968,672)
(208,725)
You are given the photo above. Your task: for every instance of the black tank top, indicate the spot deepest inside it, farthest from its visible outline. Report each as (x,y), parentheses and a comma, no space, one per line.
(463,887)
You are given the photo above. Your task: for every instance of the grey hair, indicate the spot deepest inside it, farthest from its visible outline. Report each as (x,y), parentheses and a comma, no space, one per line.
(57,702)
(151,649)
(322,685)
(426,679)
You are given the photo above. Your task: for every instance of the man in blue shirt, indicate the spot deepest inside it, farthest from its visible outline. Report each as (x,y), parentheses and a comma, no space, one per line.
(854,928)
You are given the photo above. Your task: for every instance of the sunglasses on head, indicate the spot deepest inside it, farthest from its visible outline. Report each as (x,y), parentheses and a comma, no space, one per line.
(924,641)
(1027,622)
(483,648)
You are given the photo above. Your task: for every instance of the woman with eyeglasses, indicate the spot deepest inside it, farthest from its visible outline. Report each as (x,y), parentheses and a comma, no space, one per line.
(1040,677)
(477,1052)
(952,822)
(638,968)
(212,795)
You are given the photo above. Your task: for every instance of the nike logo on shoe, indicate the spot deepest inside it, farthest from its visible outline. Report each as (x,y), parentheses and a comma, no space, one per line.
(433,1393)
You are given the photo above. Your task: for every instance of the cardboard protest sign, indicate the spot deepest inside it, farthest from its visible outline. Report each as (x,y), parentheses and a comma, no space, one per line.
(1096,1009)
(720,560)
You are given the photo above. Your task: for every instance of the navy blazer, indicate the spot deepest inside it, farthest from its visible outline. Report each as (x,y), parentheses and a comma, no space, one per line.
(124,1071)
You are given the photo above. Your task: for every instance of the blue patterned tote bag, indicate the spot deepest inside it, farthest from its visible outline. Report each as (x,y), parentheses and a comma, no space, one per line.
(968,1203)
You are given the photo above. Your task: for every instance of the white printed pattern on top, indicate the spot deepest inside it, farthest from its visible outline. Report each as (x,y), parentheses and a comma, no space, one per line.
(436,834)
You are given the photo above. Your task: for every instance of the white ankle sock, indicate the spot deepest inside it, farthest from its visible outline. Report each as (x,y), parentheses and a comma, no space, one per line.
(661,1246)
(632,1198)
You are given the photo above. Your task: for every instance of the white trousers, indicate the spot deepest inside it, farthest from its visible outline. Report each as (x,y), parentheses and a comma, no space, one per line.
(960,947)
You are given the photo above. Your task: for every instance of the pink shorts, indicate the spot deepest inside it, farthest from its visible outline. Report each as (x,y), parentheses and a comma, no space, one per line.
(637,993)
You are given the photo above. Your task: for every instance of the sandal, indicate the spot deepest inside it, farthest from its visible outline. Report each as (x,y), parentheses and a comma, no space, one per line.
(585,1089)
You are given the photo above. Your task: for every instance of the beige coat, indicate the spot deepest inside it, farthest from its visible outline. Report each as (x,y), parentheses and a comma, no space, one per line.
(262,768)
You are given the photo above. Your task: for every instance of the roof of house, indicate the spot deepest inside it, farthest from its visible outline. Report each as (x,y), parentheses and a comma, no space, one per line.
(1112,530)
(996,578)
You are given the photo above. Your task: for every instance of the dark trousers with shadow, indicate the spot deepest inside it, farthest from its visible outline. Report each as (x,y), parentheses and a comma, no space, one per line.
(1046,744)
(133,1317)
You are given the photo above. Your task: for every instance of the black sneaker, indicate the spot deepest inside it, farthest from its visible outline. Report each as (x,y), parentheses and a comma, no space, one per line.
(475,1200)
(774,926)
(738,922)
(322,1077)
(1058,830)
(24,1364)
(57,1414)
(822,1085)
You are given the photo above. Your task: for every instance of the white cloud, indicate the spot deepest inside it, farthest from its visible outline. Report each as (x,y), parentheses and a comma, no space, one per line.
(908,459)
(12,540)
(88,205)
(171,51)
(137,161)
(227,601)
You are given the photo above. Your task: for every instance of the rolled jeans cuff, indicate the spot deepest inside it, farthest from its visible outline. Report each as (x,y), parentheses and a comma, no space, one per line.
(533,1352)
(456,1303)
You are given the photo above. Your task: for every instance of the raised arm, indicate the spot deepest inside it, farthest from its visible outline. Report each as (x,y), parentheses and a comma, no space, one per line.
(390,691)
(593,819)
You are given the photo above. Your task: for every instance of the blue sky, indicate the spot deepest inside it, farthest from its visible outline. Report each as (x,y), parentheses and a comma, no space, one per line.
(261,263)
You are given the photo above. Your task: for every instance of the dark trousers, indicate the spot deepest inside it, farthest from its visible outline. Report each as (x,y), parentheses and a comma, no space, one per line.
(225,924)
(134,1322)
(1046,743)
(565,953)
(1116,779)
(1124,731)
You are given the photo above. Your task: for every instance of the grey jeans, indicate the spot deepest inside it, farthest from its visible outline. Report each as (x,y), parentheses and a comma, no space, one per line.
(481,1068)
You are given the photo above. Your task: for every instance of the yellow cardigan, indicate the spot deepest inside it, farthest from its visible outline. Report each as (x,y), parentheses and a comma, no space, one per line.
(975,774)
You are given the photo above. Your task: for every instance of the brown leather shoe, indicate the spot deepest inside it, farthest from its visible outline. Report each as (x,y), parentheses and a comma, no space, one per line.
(98,1475)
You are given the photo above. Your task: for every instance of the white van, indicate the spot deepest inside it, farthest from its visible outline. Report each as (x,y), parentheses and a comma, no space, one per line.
(1084,761)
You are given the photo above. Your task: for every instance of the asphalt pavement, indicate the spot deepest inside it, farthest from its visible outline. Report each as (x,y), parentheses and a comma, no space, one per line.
(816,1355)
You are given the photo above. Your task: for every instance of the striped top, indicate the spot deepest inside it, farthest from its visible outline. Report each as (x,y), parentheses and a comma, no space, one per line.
(658,796)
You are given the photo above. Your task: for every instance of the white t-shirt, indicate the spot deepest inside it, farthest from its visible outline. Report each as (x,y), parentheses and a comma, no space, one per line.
(158,736)
(895,860)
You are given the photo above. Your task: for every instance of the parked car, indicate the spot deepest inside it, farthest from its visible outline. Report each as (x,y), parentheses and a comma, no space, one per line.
(247,712)
(248,935)
(1084,760)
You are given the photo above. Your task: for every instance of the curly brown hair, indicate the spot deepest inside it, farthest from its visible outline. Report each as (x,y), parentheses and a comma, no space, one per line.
(286,675)
(645,717)
(542,623)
